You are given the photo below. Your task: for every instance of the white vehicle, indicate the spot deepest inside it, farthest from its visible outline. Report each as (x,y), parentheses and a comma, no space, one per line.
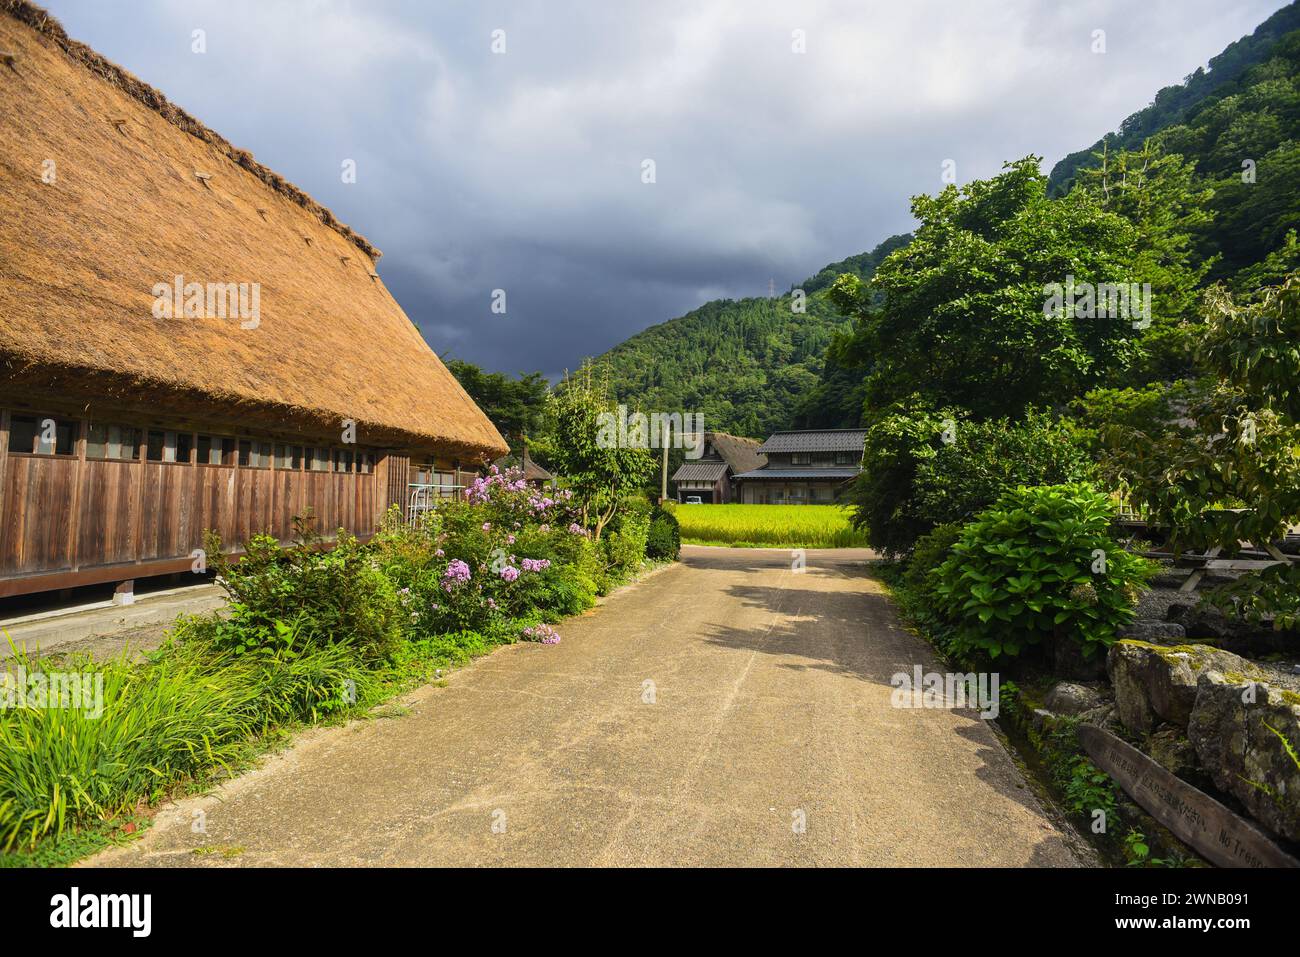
(693,500)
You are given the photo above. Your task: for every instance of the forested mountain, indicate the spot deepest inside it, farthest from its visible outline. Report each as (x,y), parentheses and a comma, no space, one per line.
(750,366)
(1239,126)
(1176,105)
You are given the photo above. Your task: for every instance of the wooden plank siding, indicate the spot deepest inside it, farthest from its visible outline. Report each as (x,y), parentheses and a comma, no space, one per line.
(67,520)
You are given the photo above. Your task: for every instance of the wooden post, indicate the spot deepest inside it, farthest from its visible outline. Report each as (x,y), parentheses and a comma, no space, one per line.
(4,470)
(74,519)
(663,491)
(124,594)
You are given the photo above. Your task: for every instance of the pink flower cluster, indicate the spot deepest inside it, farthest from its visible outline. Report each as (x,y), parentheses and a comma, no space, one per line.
(509,573)
(457,573)
(543,633)
(536,564)
(480,490)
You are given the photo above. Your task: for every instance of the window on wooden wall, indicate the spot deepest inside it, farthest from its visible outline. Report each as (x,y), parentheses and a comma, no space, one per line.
(342,460)
(801,458)
(320,460)
(167,446)
(210,449)
(119,443)
(289,457)
(366,462)
(42,435)
(255,454)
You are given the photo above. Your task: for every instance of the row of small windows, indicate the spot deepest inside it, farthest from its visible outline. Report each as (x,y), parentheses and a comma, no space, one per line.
(36,435)
(841,458)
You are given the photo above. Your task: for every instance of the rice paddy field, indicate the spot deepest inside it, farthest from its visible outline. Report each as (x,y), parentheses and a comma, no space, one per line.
(794,526)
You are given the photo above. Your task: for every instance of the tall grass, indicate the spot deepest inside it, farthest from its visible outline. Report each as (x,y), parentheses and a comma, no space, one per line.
(186,712)
(794,526)
(160,722)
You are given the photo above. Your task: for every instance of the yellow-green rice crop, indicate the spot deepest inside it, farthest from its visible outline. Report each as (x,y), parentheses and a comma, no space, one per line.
(794,526)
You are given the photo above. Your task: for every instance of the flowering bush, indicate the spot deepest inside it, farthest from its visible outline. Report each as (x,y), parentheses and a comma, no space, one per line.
(507,555)
(543,633)
(506,552)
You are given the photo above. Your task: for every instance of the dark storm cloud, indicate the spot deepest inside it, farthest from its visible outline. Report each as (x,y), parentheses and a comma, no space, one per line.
(522,171)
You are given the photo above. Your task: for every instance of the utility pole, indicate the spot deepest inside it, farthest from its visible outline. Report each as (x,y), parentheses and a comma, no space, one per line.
(663,490)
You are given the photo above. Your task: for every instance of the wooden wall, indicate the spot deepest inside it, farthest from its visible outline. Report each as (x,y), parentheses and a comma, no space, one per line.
(66,520)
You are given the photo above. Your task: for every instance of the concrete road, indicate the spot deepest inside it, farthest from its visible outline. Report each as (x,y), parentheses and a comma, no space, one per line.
(106,630)
(726,711)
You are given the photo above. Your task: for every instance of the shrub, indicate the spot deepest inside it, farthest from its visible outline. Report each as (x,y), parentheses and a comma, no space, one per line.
(931,551)
(923,468)
(986,459)
(337,596)
(664,540)
(1038,564)
(625,540)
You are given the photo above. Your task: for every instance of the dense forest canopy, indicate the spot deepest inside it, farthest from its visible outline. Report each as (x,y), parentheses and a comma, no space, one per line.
(749,366)
(1176,104)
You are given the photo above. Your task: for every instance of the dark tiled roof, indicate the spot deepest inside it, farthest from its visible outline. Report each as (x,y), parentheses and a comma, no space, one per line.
(705,471)
(777,475)
(821,440)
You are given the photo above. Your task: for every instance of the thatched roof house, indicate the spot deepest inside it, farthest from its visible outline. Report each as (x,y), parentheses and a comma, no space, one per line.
(711,477)
(533,473)
(154,275)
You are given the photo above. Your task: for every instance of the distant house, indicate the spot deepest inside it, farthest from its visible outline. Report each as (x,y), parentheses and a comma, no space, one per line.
(534,474)
(803,468)
(288,381)
(712,475)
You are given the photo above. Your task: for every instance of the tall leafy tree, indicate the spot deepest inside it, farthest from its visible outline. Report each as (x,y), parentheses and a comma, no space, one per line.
(599,472)
(965,319)
(516,406)
(1229,470)
(1160,195)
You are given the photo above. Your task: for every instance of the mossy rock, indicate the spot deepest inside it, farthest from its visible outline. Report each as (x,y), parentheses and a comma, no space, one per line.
(1155,683)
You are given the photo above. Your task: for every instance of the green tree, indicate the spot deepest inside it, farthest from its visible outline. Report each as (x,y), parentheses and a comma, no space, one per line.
(1228,471)
(965,319)
(600,473)
(517,407)
(1159,194)
(924,467)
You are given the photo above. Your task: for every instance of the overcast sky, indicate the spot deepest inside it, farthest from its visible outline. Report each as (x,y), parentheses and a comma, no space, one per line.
(523,170)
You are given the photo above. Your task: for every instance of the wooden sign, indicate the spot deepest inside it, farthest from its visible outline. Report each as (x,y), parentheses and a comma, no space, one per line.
(1217,834)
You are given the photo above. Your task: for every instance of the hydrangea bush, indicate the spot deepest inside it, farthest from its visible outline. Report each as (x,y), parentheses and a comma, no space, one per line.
(506,553)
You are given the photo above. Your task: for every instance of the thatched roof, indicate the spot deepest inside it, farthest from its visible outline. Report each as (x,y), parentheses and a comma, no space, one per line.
(532,471)
(740,453)
(129,207)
